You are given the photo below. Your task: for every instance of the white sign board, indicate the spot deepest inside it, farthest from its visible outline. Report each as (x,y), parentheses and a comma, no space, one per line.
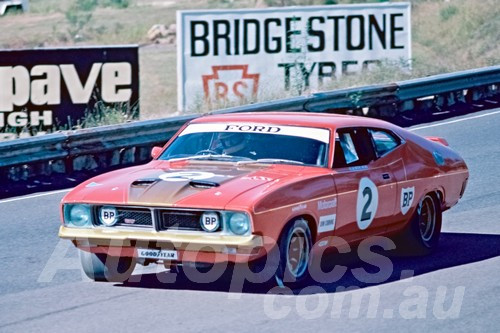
(226,55)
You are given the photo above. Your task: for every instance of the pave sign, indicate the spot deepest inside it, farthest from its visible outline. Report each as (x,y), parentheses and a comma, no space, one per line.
(46,88)
(239,55)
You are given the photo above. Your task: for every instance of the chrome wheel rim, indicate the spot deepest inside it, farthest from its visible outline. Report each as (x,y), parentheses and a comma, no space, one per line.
(298,252)
(427,219)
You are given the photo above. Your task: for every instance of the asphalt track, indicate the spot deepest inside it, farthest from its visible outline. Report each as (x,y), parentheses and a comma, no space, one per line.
(456,289)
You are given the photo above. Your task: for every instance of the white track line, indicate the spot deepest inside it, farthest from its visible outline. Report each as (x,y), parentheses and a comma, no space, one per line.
(455,121)
(34,196)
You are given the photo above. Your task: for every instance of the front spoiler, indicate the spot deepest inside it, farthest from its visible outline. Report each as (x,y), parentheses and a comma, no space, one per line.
(177,240)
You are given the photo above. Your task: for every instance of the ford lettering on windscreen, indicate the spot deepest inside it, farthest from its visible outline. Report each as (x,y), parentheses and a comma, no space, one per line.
(250,143)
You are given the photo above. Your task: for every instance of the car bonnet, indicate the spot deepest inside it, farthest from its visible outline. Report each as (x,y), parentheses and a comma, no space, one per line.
(192,185)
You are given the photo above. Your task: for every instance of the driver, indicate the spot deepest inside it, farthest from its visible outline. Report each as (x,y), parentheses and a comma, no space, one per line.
(235,144)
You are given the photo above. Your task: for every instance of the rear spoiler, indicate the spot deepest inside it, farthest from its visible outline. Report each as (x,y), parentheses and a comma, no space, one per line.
(438,140)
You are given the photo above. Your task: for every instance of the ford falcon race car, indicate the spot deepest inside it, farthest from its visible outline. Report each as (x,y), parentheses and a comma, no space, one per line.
(235,188)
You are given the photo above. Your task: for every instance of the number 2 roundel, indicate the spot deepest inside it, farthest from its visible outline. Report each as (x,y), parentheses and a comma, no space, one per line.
(367,203)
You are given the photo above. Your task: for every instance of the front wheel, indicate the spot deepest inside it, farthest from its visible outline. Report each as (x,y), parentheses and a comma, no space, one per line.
(295,246)
(101,267)
(421,236)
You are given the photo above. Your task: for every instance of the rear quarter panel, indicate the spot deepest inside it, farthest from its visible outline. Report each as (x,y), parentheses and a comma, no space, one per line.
(427,175)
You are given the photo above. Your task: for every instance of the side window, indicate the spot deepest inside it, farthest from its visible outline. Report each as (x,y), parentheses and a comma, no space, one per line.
(347,145)
(353,147)
(384,141)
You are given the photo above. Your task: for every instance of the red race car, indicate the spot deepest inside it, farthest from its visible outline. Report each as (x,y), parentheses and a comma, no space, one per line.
(235,188)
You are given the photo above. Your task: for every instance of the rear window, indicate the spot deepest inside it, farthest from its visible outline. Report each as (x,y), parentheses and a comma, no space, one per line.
(383,141)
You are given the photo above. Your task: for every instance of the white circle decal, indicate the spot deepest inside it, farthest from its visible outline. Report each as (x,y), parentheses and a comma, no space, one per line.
(182,176)
(367,203)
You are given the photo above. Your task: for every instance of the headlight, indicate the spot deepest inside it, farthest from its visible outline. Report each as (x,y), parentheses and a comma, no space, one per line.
(77,216)
(108,215)
(239,224)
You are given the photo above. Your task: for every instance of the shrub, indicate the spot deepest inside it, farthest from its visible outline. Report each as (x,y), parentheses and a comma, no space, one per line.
(447,12)
(78,15)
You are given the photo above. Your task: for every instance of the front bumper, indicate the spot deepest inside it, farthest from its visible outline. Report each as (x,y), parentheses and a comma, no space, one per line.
(192,247)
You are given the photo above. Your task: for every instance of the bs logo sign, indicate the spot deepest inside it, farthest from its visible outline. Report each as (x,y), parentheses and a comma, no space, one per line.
(230,83)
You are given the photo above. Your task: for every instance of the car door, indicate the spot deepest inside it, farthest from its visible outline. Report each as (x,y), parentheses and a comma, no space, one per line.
(365,182)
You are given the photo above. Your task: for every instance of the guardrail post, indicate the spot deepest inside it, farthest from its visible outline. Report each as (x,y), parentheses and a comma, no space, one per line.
(128,156)
(43,168)
(13,173)
(84,163)
(58,166)
(144,153)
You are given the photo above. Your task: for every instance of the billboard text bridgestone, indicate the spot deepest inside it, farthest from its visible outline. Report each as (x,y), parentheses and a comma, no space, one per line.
(231,55)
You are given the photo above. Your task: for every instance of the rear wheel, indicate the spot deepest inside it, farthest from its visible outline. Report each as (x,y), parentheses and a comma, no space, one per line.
(101,267)
(421,236)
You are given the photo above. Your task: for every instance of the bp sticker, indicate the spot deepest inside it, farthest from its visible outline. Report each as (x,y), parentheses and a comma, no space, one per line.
(407,195)
(108,215)
(182,176)
(367,203)
(210,221)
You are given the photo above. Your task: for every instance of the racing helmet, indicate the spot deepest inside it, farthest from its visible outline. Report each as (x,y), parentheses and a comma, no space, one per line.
(232,142)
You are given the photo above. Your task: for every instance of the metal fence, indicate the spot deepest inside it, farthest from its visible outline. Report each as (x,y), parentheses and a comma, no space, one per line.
(71,156)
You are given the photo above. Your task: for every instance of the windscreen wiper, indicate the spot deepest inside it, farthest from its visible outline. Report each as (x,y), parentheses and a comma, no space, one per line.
(211,157)
(272,161)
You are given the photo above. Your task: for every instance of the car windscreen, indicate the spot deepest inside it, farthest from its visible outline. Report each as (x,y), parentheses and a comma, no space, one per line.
(251,142)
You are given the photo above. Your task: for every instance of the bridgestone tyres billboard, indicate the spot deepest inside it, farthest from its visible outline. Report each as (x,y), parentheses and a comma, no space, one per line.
(53,88)
(227,55)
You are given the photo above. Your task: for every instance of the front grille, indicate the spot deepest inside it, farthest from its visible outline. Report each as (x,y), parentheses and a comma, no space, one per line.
(165,219)
(179,220)
(135,217)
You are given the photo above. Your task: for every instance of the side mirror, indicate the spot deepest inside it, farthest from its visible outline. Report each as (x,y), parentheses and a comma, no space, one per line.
(155,152)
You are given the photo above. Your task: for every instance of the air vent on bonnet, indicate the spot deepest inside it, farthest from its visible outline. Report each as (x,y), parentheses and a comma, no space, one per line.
(145,181)
(203,184)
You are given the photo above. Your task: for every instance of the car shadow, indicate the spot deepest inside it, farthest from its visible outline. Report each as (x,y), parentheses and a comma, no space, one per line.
(455,249)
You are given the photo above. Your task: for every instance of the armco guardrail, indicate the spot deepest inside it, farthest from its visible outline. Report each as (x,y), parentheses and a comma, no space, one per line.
(73,155)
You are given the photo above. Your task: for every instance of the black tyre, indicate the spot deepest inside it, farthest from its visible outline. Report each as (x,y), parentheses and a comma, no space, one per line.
(101,267)
(295,246)
(421,236)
